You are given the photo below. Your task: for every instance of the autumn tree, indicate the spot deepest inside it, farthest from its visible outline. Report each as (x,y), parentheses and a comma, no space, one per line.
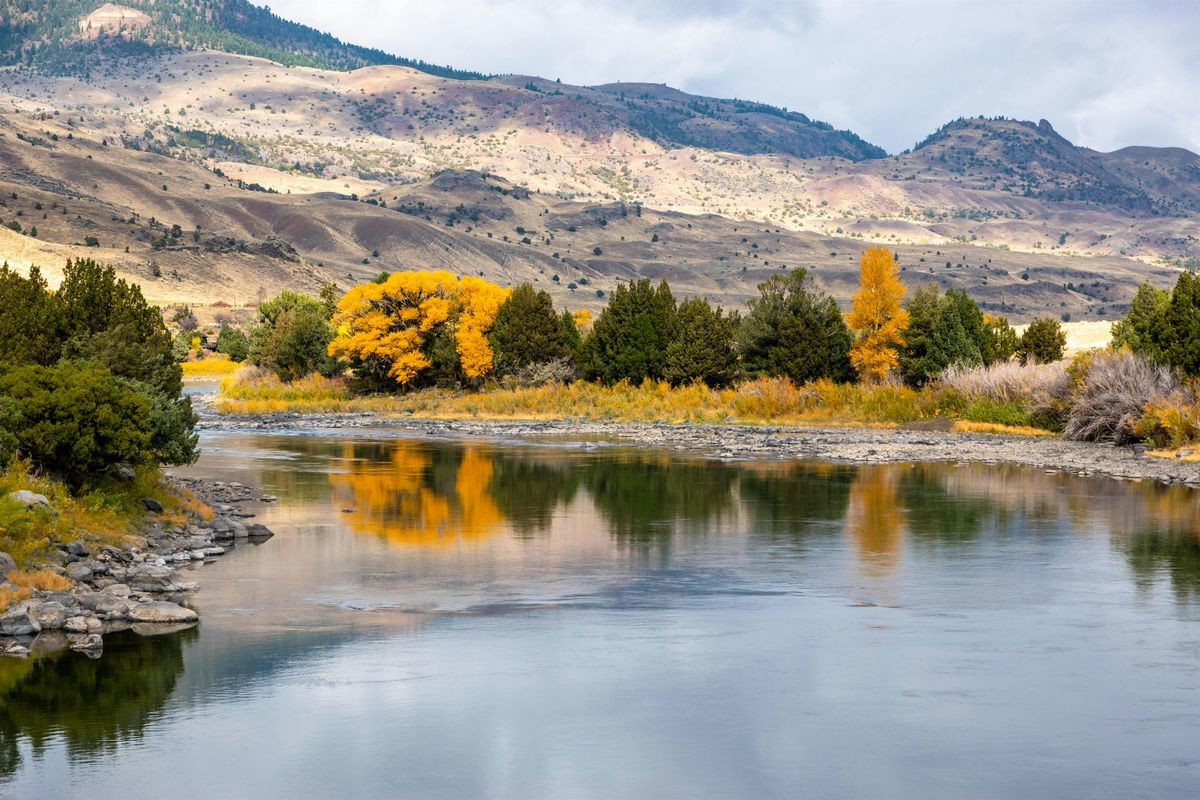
(877,318)
(419,326)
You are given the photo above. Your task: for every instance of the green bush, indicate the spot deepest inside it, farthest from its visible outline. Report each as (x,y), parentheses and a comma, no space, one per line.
(1043,341)
(74,420)
(630,337)
(702,348)
(233,342)
(292,337)
(527,331)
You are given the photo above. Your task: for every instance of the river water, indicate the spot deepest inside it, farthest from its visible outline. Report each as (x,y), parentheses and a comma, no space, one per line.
(442,619)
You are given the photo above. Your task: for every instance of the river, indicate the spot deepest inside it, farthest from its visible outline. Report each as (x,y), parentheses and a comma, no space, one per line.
(465,619)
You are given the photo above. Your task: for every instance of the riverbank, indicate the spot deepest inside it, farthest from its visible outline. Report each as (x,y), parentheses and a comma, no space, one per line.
(738,441)
(145,583)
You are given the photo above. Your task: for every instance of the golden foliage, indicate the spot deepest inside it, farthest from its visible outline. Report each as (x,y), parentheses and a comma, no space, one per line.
(390,322)
(44,580)
(583,319)
(877,318)
(874,519)
(399,501)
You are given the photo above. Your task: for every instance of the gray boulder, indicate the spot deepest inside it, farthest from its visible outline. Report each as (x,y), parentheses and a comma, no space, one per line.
(155,578)
(6,565)
(51,616)
(19,620)
(90,644)
(152,505)
(30,499)
(161,611)
(79,571)
(78,548)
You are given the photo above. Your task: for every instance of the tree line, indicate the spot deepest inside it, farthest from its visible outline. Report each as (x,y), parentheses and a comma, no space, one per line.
(418,329)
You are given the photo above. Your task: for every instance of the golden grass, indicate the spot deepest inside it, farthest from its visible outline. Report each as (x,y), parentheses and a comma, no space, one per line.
(763,400)
(10,595)
(215,367)
(1169,452)
(45,580)
(967,426)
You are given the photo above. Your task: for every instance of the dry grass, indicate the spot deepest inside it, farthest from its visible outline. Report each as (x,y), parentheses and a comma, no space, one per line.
(967,426)
(10,595)
(1192,458)
(216,367)
(44,580)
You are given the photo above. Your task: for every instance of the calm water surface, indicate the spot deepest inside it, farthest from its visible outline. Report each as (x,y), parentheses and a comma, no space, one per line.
(468,620)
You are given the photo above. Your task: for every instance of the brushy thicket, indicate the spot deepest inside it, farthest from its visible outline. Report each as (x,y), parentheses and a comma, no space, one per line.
(1109,393)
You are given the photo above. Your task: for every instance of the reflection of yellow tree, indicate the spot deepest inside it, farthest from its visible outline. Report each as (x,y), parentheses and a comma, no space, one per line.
(401,499)
(873,519)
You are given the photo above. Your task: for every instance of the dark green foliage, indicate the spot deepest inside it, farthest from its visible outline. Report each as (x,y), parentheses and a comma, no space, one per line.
(107,320)
(30,322)
(445,367)
(630,337)
(233,342)
(794,329)
(292,337)
(76,419)
(1043,341)
(702,348)
(942,330)
(1178,341)
(1141,326)
(1001,342)
(571,336)
(527,331)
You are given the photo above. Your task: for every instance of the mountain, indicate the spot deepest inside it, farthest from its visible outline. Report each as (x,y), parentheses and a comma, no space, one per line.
(77,36)
(212,150)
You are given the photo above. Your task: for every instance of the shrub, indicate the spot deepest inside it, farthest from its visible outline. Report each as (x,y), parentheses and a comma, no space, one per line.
(1110,393)
(75,420)
(233,342)
(1171,421)
(1043,341)
(292,336)
(1042,390)
(630,337)
(527,331)
(702,348)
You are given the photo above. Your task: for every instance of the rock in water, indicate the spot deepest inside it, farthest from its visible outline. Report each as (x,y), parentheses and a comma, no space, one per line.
(30,499)
(19,620)
(161,611)
(50,615)
(154,578)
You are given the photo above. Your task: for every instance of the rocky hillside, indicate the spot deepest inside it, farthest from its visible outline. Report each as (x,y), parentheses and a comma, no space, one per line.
(205,173)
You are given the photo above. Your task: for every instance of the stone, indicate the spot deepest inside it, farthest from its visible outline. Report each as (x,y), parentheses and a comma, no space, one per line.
(91,643)
(30,499)
(75,625)
(113,608)
(17,651)
(198,555)
(51,616)
(214,551)
(79,571)
(6,564)
(258,531)
(161,611)
(118,590)
(78,549)
(152,505)
(19,620)
(124,472)
(153,578)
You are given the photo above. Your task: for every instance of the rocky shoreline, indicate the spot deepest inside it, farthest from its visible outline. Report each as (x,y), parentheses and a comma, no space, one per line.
(144,586)
(733,441)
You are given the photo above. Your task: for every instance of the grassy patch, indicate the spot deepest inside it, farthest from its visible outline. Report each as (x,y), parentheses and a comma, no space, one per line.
(216,367)
(968,426)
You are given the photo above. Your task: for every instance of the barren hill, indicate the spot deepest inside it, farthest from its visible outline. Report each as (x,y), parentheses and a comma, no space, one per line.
(295,175)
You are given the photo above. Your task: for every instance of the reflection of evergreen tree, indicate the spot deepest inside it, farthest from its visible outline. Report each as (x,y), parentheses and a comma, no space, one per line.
(527,489)
(1175,552)
(936,514)
(91,703)
(784,505)
(643,497)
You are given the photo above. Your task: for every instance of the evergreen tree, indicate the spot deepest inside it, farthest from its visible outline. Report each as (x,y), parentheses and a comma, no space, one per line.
(1001,342)
(942,330)
(292,336)
(630,337)
(571,336)
(233,342)
(30,319)
(1043,341)
(702,347)
(1141,325)
(794,329)
(527,330)
(1178,340)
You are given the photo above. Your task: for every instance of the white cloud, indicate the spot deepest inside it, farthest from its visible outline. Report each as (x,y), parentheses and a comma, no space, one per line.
(1107,74)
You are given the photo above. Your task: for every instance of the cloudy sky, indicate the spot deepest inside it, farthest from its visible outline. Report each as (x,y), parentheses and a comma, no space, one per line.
(1106,73)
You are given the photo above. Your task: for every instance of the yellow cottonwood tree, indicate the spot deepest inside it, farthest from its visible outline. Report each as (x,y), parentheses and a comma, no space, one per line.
(385,326)
(877,318)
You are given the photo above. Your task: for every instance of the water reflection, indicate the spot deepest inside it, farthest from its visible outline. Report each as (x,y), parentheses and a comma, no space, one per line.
(93,705)
(421,493)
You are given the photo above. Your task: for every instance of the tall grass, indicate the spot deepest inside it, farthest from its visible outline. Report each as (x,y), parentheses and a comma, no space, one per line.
(212,367)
